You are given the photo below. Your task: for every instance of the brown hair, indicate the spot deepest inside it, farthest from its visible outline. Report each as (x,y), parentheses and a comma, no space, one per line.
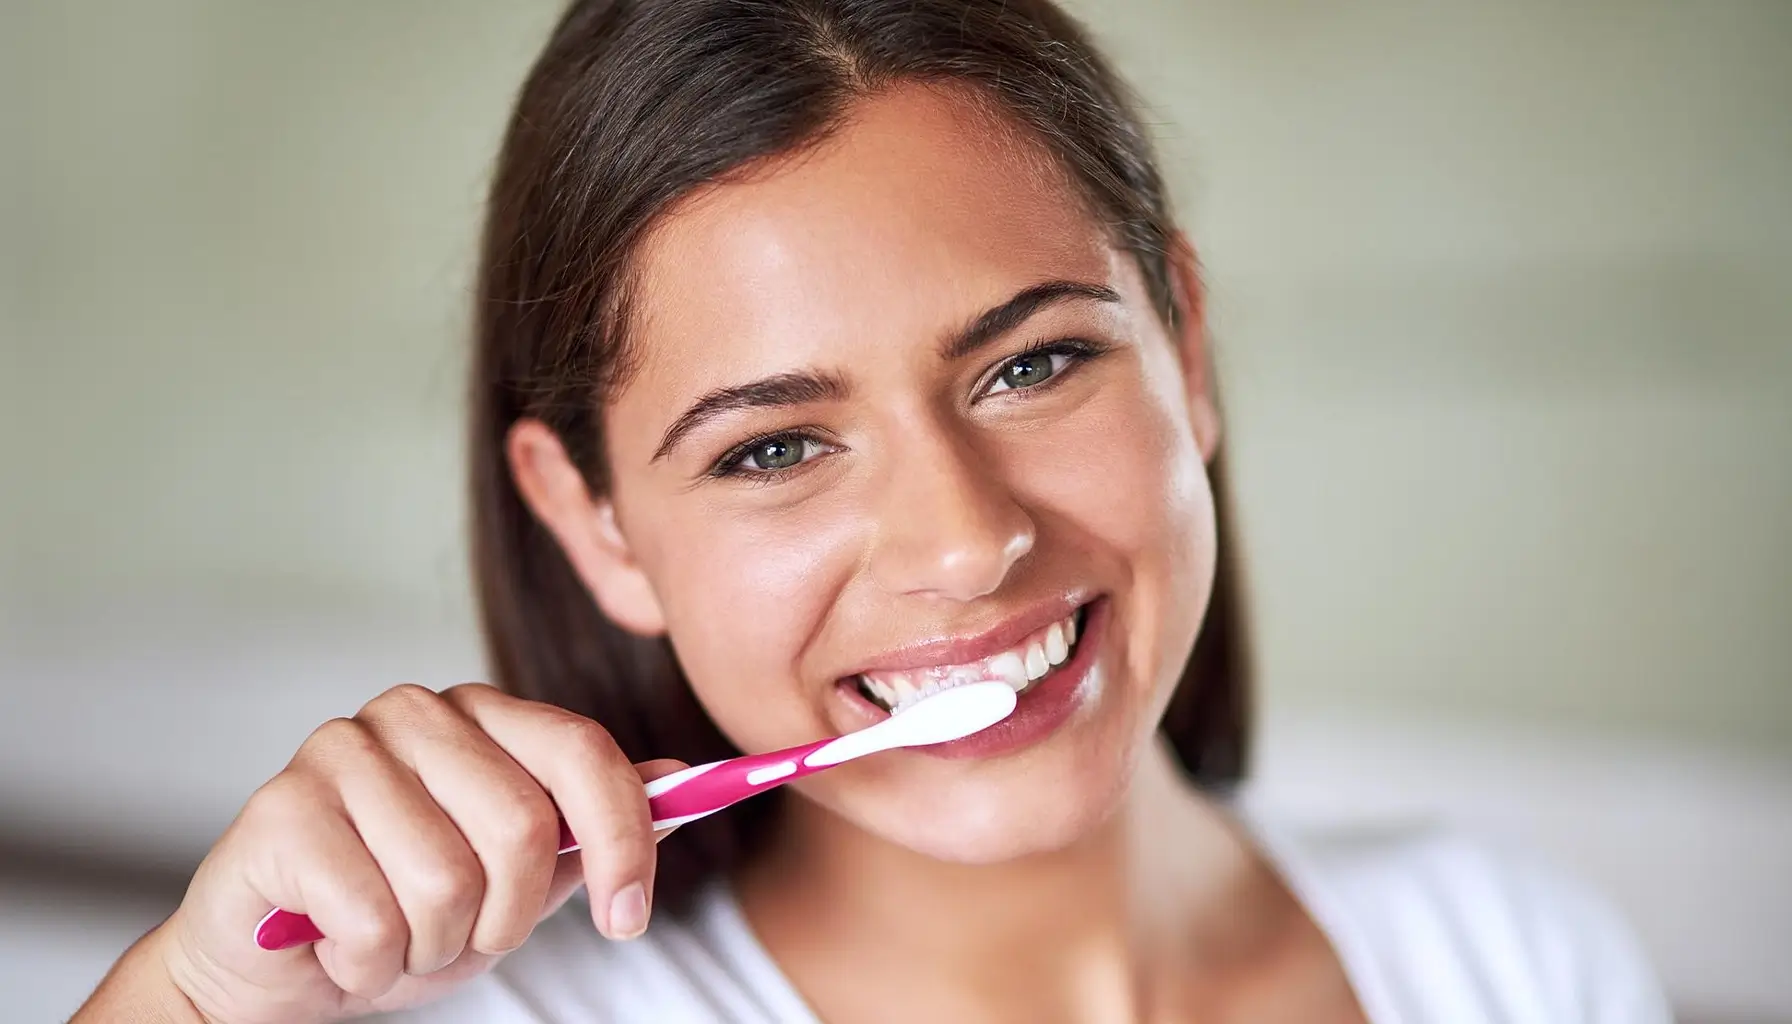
(633,104)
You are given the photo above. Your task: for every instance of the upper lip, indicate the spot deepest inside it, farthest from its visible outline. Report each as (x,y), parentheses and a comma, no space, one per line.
(962,648)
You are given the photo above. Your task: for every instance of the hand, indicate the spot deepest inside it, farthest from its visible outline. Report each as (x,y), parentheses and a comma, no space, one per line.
(420,836)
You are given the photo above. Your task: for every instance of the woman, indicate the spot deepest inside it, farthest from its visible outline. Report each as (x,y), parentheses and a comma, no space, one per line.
(823,344)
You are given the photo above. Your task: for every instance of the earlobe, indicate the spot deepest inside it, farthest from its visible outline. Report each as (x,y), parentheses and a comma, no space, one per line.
(1192,345)
(585,527)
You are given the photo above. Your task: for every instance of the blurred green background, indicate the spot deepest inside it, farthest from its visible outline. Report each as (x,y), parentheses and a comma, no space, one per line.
(1502,297)
(1503,302)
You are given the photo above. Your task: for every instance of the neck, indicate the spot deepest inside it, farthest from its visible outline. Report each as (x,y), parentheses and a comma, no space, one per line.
(1063,929)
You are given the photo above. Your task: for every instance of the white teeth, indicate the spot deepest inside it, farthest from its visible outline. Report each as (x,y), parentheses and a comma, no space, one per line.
(879,690)
(1009,667)
(1056,650)
(903,688)
(1019,668)
(964,674)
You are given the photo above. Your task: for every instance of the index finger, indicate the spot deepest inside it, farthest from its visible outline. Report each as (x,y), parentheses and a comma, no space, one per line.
(596,789)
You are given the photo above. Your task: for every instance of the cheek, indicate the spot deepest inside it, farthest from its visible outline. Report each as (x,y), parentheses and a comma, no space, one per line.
(1128,490)
(1127,471)
(744,592)
(1131,480)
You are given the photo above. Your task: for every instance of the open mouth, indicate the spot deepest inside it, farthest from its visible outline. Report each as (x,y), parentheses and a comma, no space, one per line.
(1022,667)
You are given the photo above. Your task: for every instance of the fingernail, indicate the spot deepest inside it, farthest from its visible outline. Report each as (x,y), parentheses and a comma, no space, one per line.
(628,911)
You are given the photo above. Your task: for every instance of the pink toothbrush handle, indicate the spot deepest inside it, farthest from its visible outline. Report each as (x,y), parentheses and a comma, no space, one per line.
(685,795)
(694,792)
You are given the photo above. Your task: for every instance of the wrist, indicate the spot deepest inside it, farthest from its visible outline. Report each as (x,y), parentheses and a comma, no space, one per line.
(140,989)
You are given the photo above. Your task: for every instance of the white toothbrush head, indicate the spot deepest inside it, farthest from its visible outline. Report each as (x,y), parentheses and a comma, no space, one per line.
(953,714)
(945,716)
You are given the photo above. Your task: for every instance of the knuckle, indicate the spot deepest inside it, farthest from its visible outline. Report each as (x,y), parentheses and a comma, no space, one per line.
(624,838)
(590,743)
(338,737)
(375,929)
(470,694)
(407,701)
(283,798)
(629,832)
(447,884)
(499,938)
(524,824)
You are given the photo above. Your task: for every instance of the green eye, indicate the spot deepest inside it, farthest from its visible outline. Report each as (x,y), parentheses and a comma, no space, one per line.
(767,458)
(1029,369)
(776,453)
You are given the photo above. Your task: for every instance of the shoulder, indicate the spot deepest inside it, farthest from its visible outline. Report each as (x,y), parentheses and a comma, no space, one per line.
(1433,925)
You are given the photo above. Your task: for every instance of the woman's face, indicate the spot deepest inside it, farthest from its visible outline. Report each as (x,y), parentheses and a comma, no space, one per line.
(903,414)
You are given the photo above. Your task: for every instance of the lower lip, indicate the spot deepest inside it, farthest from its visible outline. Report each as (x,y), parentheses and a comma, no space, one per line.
(1040,710)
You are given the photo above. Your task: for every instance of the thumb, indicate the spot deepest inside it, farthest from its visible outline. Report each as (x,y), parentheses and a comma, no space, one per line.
(658,768)
(568,876)
(650,770)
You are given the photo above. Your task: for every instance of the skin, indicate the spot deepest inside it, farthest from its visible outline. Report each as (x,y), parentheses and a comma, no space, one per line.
(1075,879)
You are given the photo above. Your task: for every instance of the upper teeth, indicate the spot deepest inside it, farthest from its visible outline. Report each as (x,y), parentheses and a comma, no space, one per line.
(1019,666)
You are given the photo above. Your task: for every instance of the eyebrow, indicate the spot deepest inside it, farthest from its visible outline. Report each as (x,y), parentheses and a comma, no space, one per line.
(998,321)
(803,386)
(784,389)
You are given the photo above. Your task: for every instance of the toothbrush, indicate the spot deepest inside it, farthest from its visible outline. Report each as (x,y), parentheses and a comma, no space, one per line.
(704,789)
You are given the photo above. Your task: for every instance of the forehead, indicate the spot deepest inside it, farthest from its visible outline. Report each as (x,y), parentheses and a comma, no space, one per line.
(920,212)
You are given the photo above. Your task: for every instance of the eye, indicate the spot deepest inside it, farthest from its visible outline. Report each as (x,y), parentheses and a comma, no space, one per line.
(1036,366)
(769,456)
(776,453)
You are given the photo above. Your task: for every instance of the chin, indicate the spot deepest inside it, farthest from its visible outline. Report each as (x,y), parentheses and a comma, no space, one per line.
(1048,801)
(1008,834)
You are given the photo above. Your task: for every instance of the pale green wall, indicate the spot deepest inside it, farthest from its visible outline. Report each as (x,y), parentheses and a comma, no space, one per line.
(1501,292)
(1504,296)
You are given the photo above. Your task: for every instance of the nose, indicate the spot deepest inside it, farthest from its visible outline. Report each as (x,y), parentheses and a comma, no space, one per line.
(949,525)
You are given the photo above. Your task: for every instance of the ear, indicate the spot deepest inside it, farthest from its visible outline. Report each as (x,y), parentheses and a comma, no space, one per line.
(585,527)
(1191,343)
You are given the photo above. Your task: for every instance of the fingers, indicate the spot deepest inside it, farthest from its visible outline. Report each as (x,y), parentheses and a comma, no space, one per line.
(424,832)
(488,897)
(596,789)
(436,877)
(569,873)
(421,838)
(322,867)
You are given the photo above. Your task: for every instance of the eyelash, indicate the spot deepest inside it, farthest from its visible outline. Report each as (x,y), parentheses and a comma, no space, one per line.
(1079,351)
(729,465)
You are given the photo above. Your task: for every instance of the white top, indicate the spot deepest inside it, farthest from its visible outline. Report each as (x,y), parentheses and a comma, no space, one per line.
(1429,928)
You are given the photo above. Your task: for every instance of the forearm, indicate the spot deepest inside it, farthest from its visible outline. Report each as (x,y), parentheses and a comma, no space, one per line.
(138,990)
